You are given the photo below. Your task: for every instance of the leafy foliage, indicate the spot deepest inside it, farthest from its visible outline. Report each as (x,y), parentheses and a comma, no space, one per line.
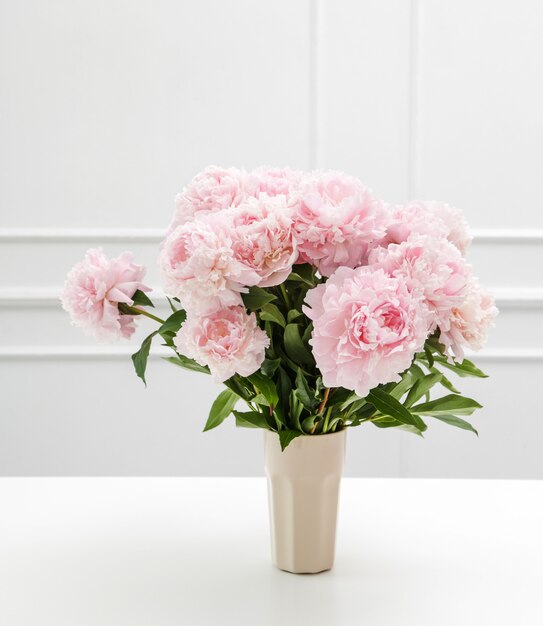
(257,298)
(140,298)
(287,394)
(167,331)
(220,409)
(140,357)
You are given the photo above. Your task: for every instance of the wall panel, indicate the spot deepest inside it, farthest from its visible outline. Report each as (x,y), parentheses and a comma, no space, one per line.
(364,92)
(480,129)
(108,108)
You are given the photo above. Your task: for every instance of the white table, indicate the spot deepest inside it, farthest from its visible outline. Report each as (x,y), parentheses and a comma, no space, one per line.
(195,551)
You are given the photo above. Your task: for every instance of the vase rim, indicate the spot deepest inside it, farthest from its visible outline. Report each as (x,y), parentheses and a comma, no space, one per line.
(306,436)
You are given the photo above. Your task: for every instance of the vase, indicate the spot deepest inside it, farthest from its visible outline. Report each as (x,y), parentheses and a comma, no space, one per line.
(303,494)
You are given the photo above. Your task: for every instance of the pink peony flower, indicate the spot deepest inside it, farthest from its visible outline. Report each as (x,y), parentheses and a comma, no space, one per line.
(94,288)
(470,322)
(198,266)
(228,341)
(337,220)
(262,237)
(433,267)
(275,181)
(437,219)
(214,189)
(367,328)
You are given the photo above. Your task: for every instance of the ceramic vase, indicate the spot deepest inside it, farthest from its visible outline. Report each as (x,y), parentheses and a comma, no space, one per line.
(303,492)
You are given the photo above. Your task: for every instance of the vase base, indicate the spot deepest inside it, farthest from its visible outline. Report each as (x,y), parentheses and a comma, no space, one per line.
(303,571)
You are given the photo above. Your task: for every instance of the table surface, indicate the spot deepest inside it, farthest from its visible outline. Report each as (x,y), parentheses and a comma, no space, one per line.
(195,551)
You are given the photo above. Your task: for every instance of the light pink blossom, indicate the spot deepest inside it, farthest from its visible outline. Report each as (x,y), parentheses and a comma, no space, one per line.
(432,266)
(198,266)
(367,328)
(338,218)
(436,219)
(470,322)
(228,341)
(274,181)
(95,287)
(214,189)
(261,236)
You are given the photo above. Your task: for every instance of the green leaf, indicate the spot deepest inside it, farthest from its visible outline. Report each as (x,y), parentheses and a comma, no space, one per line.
(308,425)
(284,388)
(361,410)
(189,364)
(285,360)
(411,429)
(385,421)
(453,420)
(293,314)
(260,399)
(265,386)
(140,357)
(269,366)
(286,436)
(303,392)
(351,398)
(390,422)
(251,419)
(239,386)
(295,347)
(388,405)
(172,305)
(296,410)
(355,407)
(303,273)
(320,389)
(173,323)
(240,423)
(463,369)
(307,333)
(338,395)
(447,404)
(221,408)
(408,379)
(333,424)
(420,388)
(417,371)
(271,313)
(140,298)
(434,344)
(429,356)
(256,298)
(445,381)
(469,366)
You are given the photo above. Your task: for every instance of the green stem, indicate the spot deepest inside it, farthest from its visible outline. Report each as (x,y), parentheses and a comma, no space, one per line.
(326,419)
(132,309)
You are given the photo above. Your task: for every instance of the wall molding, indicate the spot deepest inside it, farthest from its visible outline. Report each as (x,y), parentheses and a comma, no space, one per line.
(507,235)
(81,235)
(61,353)
(155,235)
(50,298)
(106,353)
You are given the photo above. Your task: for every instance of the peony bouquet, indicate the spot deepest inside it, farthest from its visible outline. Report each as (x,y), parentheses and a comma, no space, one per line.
(313,301)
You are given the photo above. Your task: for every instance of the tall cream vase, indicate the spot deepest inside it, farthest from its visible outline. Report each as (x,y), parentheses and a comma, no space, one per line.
(303,492)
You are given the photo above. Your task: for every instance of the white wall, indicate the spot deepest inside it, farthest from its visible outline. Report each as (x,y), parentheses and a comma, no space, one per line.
(107,108)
